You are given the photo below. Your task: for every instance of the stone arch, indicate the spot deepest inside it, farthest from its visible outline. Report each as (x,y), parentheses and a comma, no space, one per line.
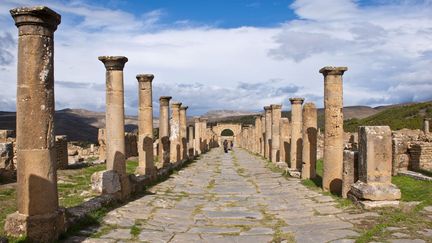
(227,132)
(234,127)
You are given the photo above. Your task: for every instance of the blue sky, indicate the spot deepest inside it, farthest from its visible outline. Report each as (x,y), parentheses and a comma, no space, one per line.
(236,55)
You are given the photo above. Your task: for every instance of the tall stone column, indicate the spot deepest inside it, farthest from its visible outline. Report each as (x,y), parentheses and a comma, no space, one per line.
(262,135)
(115,132)
(38,214)
(285,139)
(426,125)
(333,125)
(191,152)
(296,133)
(197,139)
(268,131)
(276,113)
(258,133)
(164,130)
(183,132)
(204,144)
(175,139)
(145,125)
(309,154)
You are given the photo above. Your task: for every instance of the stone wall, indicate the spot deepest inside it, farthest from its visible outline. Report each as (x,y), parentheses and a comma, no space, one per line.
(420,156)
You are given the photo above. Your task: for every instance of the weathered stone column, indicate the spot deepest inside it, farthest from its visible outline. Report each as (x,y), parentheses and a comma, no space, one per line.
(115,133)
(164,130)
(262,135)
(375,167)
(38,214)
(285,139)
(426,125)
(204,144)
(296,134)
(276,112)
(175,139)
(145,125)
(191,152)
(258,133)
(309,154)
(268,131)
(333,125)
(183,132)
(197,139)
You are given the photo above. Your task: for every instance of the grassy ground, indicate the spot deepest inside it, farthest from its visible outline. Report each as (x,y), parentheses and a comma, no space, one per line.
(407,219)
(73,188)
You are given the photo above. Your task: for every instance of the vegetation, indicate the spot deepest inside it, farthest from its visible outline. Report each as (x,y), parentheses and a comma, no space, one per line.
(406,116)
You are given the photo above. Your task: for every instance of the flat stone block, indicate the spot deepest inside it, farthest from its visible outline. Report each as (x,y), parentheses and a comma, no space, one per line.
(105,182)
(375,191)
(294,173)
(378,204)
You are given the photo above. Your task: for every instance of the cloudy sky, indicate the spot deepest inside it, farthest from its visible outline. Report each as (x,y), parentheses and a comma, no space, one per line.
(233,54)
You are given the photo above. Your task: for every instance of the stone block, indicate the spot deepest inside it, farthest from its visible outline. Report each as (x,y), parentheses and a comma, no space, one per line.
(6,156)
(350,171)
(105,182)
(375,191)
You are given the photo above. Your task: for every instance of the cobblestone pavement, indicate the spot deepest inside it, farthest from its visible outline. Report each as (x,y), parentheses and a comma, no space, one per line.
(229,197)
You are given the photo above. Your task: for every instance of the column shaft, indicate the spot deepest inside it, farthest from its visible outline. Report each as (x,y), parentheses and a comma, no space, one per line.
(296,134)
(268,131)
(276,111)
(309,153)
(175,139)
(164,130)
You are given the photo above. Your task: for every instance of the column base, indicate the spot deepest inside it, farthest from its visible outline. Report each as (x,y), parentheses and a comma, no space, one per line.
(105,182)
(36,228)
(375,191)
(148,171)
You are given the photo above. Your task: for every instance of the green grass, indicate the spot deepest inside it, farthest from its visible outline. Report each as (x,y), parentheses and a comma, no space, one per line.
(406,116)
(414,190)
(131,166)
(8,205)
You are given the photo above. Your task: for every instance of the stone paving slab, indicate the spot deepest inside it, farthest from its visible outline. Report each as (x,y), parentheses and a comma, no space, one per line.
(228,197)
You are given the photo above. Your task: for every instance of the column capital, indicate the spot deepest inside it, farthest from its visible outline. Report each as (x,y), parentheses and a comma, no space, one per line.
(196,119)
(296,101)
(38,16)
(145,77)
(275,106)
(267,108)
(333,70)
(258,116)
(164,100)
(184,107)
(113,62)
(204,119)
(176,105)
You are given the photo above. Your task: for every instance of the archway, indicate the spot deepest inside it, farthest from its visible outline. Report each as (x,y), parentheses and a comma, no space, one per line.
(230,131)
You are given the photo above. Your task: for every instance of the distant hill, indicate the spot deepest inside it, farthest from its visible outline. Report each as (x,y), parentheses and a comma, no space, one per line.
(396,116)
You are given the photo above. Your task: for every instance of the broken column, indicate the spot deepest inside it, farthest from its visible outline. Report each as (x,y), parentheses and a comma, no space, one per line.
(276,113)
(145,126)
(114,179)
(175,139)
(268,131)
(197,139)
(350,171)
(257,135)
(374,187)
(183,132)
(426,125)
(164,130)
(190,146)
(296,134)
(38,217)
(333,125)
(309,137)
(285,139)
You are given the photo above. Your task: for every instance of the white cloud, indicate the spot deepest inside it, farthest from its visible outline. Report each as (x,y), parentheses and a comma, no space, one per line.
(387,49)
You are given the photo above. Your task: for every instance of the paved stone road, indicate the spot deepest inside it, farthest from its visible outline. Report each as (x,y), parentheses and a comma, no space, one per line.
(227,198)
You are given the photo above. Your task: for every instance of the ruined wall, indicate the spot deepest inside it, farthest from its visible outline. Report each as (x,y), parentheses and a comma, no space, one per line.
(61,147)
(420,156)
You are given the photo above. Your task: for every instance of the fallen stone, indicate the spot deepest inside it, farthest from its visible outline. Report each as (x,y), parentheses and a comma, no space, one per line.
(106,181)
(378,204)
(375,191)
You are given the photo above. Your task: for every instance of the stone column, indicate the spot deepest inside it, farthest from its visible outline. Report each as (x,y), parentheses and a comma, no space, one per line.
(268,132)
(296,134)
(333,125)
(175,139)
(262,135)
(164,130)
(145,125)
(183,132)
(285,139)
(204,137)
(309,154)
(115,133)
(38,214)
(198,139)
(191,152)
(426,125)
(276,112)
(258,133)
